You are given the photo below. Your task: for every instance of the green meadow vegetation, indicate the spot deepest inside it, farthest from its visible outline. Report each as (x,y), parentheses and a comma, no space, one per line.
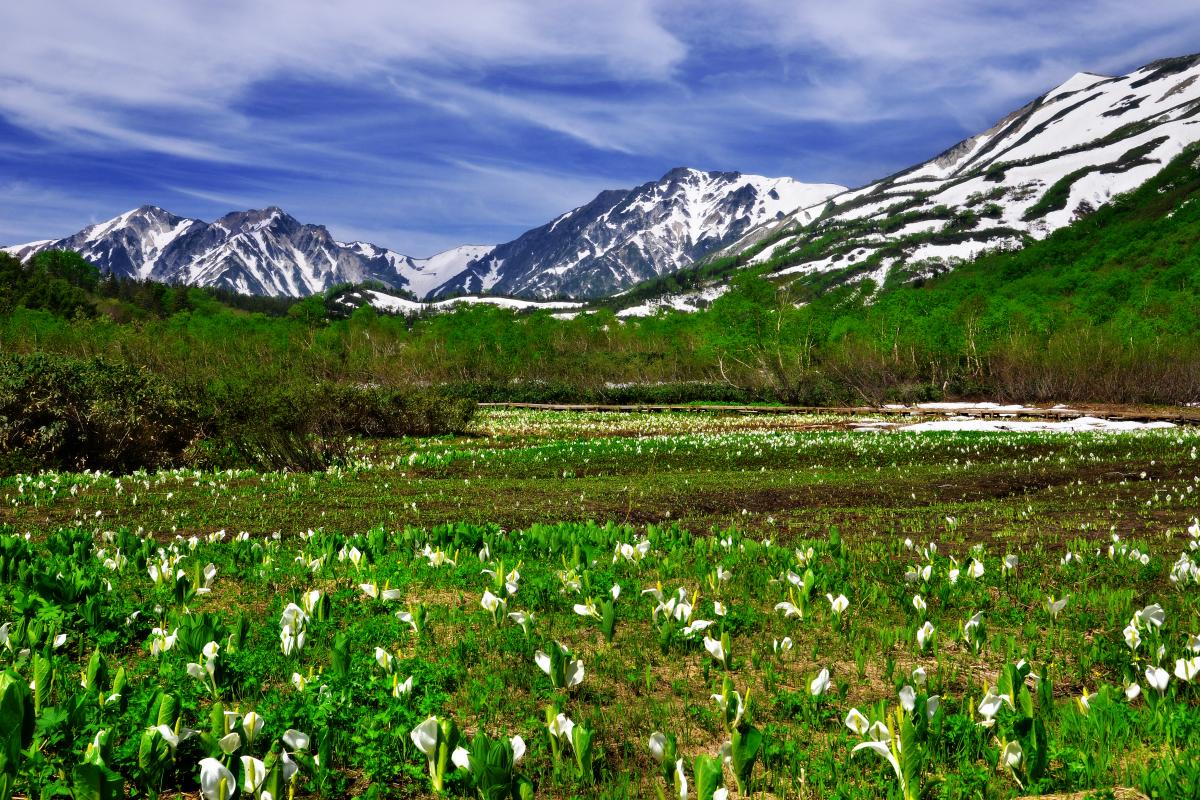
(1105,310)
(614,606)
(264,548)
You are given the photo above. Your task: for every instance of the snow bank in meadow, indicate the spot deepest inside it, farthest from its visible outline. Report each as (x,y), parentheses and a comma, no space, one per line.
(996,407)
(1079,425)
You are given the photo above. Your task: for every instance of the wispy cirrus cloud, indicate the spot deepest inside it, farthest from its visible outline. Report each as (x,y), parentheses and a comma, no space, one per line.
(469,121)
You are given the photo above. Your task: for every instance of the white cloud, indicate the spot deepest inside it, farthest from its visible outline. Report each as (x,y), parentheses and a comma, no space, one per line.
(198,57)
(622,83)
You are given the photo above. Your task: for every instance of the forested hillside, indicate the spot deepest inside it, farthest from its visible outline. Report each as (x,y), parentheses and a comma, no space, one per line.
(1104,310)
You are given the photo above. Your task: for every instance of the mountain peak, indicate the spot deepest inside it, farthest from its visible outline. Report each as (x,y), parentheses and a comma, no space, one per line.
(257,219)
(1077,83)
(678,173)
(1040,168)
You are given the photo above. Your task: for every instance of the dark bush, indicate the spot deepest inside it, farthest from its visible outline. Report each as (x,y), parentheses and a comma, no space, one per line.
(70,414)
(73,414)
(621,394)
(309,427)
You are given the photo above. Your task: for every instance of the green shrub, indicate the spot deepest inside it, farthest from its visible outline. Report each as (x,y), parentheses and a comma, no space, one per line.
(70,414)
(307,427)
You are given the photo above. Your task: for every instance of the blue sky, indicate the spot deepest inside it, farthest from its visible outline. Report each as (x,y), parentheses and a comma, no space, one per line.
(419,125)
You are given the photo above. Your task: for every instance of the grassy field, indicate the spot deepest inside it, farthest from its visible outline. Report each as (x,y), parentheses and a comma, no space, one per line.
(692,566)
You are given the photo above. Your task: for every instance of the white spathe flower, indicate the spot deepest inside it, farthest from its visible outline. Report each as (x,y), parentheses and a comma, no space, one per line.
(789,609)
(975,568)
(714,648)
(1133,637)
(523,619)
(587,609)
(252,723)
(1158,678)
(518,748)
(287,640)
(856,722)
(229,743)
(490,602)
(1152,614)
(216,782)
(819,684)
(1132,690)
(681,780)
(173,739)
(254,772)
(1055,607)
(461,758)
(309,600)
(908,698)
(290,767)
(575,673)
(884,749)
(694,627)
(1186,669)
(425,736)
(400,688)
(782,645)
(1012,755)
(561,727)
(837,604)
(919,676)
(384,659)
(989,706)
(295,739)
(658,744)
(925,634)
(919,603)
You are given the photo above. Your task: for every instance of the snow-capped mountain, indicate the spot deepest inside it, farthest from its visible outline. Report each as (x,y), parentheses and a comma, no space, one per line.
(265,252)
(626,236)
(618,239)
(1038,169)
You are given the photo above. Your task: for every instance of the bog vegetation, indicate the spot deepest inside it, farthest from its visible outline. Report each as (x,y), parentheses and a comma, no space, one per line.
(229,565)
(783,611)
(1105,310)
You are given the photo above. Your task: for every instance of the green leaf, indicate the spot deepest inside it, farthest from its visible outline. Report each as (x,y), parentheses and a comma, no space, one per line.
(708,776)
(745,746)
(95,782)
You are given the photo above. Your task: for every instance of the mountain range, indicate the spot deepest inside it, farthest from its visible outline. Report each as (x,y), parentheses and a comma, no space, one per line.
(1048,163)
(1042,167)
(618,239)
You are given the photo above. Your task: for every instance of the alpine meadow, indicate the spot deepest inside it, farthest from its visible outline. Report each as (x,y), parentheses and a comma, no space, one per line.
(715,486)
